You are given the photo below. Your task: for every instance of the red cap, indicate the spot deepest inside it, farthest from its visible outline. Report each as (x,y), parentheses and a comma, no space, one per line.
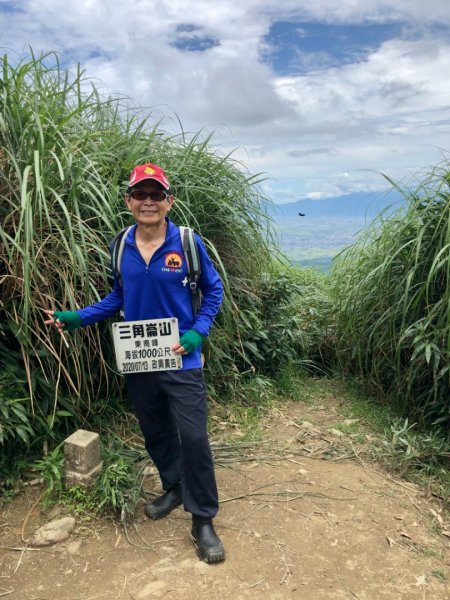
(148,171)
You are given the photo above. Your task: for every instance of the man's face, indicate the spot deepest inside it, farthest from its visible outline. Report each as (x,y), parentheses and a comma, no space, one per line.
(149,211)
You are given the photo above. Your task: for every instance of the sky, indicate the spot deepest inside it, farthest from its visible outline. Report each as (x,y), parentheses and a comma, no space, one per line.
(318,96)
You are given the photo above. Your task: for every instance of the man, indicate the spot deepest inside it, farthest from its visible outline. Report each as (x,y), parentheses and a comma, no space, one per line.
(170,405)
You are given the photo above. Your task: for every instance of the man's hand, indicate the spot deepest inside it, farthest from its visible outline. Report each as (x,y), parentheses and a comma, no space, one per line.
(189,342)
(64,320)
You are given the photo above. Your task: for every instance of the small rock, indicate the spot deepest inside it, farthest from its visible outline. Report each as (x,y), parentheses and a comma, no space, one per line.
(307,425)
(53,532)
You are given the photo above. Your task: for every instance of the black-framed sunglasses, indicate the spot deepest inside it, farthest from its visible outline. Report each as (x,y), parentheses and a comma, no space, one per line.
(156,196)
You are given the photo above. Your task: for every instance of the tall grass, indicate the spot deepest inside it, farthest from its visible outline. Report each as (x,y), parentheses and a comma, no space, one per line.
(61,167)
(65,156)
(392,291)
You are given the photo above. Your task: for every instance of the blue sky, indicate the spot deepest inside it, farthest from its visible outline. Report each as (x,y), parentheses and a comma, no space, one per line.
(318,96)
(296,47)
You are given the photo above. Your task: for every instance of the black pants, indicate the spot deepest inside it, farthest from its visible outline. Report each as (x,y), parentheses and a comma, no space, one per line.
(171,408)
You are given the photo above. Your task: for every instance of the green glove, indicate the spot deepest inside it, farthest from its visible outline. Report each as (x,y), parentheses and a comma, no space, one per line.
(191,340)
(70,319)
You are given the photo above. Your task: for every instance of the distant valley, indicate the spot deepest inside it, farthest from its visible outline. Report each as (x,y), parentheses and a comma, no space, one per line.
(328,226)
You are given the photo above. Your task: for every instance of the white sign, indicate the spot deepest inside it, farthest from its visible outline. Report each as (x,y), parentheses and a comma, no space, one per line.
(143,346)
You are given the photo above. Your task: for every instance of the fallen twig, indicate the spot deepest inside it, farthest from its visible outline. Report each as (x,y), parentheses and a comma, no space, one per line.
(288,571)
(19,561)
(290,495)
(344,585)
(252,585)
(146,546)
(24,524)
(123,588)
(25,549)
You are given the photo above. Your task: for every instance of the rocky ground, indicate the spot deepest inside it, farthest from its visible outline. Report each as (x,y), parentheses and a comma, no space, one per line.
(304,514)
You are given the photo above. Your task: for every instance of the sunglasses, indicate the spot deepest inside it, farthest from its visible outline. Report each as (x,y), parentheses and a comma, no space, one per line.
(141,195)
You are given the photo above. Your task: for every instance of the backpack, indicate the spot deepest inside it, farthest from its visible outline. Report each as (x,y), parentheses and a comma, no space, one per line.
(191,255)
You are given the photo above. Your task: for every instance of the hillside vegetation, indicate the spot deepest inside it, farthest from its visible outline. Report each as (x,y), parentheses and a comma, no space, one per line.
(381,316)
(392,298)
(65,157)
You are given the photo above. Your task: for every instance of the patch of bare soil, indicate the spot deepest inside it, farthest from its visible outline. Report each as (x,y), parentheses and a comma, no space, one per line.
(302,516)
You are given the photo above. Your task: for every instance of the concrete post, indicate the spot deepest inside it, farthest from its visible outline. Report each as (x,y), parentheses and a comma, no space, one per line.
(83,463)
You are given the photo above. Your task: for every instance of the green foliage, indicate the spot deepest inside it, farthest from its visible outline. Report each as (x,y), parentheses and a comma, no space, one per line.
(11,474)
(80,501)
(57,210)
(117,489)
(65,156)
(314,310)
(276,339)
(119,485)
(392,294)
(282,323)
(255,390)
(14,423)
(439,574)
(51,469)
(16,431)
(417,450)
(15,427)
(22,433)
(418,455)
(366,407)
(240,417)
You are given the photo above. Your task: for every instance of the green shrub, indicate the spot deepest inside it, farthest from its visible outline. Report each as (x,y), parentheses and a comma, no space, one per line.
(116,490)
(50,468)
(392,294)
(65,156)
(119,485)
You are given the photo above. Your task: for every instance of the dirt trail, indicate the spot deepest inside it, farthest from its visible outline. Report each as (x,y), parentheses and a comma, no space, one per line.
(300,518)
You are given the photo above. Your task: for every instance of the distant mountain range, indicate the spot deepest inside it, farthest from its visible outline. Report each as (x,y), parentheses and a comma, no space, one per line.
(358,204)
(328,225)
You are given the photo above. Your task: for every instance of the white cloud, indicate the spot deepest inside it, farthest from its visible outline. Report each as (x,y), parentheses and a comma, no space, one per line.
(319,133)
(400,77)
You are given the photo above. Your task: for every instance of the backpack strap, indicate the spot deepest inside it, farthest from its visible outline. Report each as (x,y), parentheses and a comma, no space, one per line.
(116,248)
(192,256)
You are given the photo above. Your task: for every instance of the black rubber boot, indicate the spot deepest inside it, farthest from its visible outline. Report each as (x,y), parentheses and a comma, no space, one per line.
(160,507)
(209,547)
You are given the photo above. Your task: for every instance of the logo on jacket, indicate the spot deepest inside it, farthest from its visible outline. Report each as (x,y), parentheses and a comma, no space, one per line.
(173,262)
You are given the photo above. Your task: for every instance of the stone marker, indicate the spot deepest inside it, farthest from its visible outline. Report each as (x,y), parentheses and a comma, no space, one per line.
(83,462)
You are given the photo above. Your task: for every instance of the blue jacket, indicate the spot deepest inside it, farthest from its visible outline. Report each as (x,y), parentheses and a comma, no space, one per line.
(160,289)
